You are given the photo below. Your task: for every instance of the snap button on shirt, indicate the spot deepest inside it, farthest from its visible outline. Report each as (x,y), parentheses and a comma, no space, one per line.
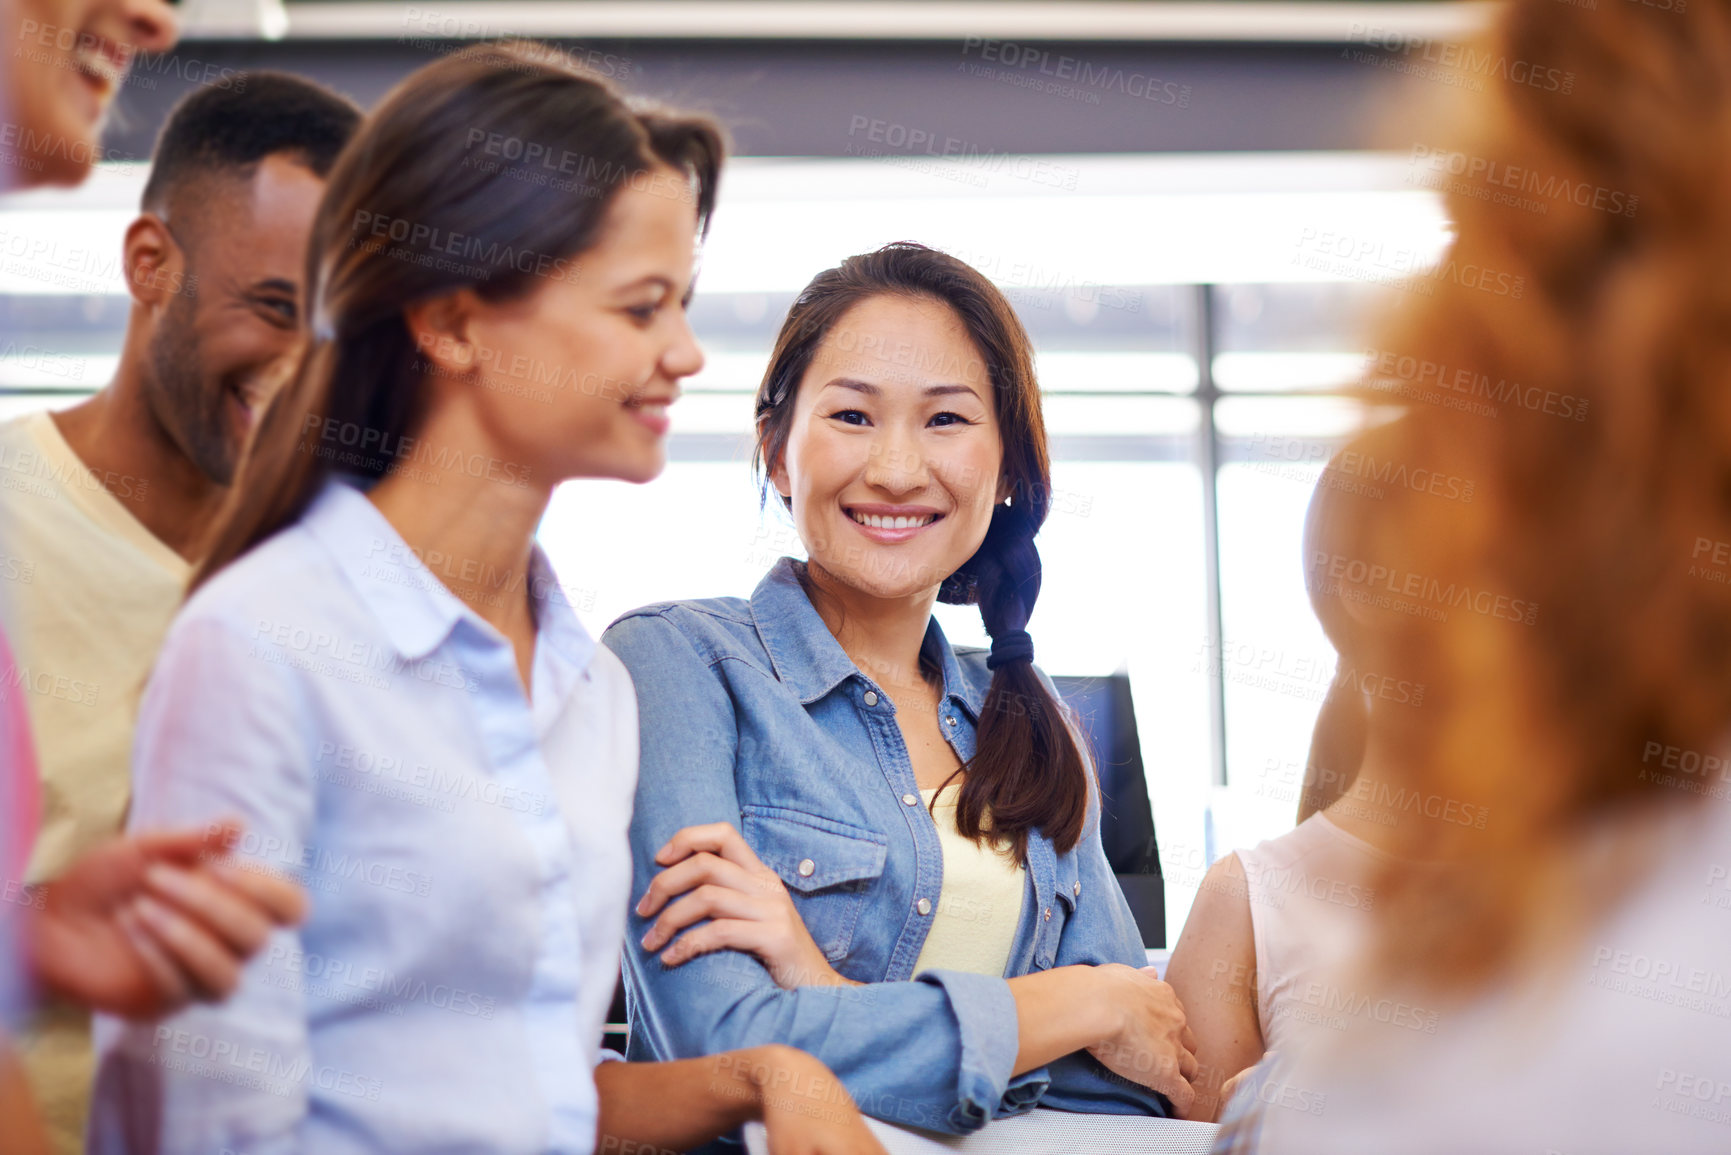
(871,697)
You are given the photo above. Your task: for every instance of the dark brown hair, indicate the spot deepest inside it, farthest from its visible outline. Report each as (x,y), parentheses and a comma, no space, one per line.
(1027,772)
(490,169)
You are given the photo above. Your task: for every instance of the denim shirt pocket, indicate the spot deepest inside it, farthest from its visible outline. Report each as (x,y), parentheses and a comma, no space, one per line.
(1056,909)
(828,867)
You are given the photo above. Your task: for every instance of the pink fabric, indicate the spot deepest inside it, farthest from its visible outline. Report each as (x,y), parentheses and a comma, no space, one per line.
(20,792)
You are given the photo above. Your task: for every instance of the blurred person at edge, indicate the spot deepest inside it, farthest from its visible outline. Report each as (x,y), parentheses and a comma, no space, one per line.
(1272,923)
(374,605)
(135,926)
(121,487)
(66,61)
(1578,947)
(851,836)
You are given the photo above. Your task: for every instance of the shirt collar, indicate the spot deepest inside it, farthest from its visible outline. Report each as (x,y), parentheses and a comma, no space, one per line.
(415,609)
(807,658)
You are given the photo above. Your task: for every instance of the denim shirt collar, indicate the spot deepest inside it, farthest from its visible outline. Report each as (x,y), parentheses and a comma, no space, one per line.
(809,660)
(414,608)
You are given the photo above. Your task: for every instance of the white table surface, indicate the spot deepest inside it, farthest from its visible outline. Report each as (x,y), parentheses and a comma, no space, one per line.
(1041,1132)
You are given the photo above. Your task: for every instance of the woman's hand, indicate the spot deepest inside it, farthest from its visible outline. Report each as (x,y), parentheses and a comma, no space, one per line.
(806,1110)
(713,874)
(1152,1045)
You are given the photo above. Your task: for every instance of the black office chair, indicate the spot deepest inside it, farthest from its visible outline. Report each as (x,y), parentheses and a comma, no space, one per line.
(1108,718)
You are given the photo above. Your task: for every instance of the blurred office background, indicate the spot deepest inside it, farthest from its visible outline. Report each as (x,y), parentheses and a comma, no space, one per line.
(1197,208)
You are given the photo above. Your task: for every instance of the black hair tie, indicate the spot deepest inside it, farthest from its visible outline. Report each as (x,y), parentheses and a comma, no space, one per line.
(1015,646)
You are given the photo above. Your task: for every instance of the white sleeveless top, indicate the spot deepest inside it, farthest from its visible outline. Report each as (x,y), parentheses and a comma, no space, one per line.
(980,904)
(1310,893)
(1624,1046)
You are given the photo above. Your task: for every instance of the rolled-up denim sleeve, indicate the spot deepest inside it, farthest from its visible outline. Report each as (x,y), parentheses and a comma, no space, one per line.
(1101,929)
(935,1052)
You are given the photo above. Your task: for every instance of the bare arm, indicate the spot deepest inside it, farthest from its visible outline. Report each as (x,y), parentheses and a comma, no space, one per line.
(683,1104)
(1213,969)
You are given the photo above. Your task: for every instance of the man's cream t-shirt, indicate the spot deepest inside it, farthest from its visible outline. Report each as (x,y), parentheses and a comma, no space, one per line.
(86,595)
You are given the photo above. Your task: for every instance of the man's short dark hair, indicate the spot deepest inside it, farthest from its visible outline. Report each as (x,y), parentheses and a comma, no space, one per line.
(228,130)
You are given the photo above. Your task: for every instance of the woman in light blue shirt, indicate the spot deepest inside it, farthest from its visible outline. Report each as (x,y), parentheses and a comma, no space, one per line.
(953,955)
(378,672)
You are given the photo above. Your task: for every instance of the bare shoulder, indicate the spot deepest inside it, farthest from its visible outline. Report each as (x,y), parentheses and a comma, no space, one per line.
(1218,929)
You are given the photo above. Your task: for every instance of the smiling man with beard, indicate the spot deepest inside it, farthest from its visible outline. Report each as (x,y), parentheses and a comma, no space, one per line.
(102,505)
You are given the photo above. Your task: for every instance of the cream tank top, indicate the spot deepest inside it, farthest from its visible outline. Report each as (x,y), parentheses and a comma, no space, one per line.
(980,903)
(1311,898)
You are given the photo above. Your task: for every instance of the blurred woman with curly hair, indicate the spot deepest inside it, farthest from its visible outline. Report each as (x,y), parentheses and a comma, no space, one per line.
(1576,950)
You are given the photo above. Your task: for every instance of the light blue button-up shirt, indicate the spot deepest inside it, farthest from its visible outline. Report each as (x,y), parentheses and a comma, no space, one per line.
(753,714)
(464,848)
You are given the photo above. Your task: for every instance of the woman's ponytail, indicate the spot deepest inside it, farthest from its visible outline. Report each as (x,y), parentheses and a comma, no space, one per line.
(1027,772)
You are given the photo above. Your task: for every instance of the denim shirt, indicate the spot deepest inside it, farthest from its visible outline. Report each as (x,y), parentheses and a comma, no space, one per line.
(752,714)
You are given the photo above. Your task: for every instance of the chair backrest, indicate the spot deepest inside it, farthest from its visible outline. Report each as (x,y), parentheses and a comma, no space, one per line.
(1107,715)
